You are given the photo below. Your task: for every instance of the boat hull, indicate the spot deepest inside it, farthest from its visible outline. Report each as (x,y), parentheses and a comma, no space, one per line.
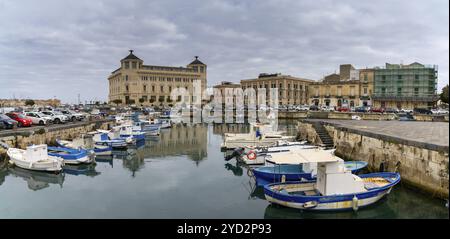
(331,202)
(51,164)
(266,142)
(72,156)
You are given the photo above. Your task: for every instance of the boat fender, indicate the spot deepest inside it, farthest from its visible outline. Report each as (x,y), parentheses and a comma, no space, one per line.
(251,155)
(283,178)
(11,162)
(31,165)
(355,203)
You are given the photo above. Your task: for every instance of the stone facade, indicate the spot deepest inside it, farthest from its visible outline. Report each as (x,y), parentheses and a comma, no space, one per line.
(291,90)
(21,102)
(149,85)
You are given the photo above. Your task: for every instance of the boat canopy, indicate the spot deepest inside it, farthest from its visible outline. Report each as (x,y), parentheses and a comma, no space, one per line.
(301,156)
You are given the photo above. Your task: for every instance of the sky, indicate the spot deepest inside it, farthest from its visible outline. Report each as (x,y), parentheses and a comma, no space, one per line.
(53,48)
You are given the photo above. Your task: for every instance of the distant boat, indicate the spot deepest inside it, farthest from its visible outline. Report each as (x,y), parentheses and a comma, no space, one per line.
(336,188)
(102,137)
(86,142)
(72,156)
(260,135)
(35,157)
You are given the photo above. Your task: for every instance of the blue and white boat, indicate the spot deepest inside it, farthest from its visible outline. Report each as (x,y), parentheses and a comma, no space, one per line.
(336,188)
(113,138)
(127,131)
(295,172)
(87,142)
(72,156)
(148,129)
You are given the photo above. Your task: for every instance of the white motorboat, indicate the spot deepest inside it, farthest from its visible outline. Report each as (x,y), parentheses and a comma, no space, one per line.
(260,135)
(35,157)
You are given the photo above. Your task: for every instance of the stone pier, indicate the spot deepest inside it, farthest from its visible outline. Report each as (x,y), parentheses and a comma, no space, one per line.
(419,151)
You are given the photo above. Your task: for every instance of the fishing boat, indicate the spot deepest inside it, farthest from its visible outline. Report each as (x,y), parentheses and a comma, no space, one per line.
(126,131)
(72,156)
(86,142)
(148,129)
(284,166)
(104,137)
(260,135)
(255,156)
(336,187)
(35,157)
(162,123)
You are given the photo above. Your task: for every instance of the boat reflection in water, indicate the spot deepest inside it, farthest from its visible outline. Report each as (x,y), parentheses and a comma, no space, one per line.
(81,169)
(37,180)
(236,169)
(105,159)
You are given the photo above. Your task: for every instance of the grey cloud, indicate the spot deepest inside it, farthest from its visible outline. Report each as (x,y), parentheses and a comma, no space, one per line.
(56,48)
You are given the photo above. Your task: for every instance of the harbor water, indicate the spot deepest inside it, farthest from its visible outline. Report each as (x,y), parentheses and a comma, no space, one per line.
(181,174)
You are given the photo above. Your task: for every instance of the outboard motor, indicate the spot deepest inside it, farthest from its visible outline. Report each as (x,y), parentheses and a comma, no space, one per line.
(236,152)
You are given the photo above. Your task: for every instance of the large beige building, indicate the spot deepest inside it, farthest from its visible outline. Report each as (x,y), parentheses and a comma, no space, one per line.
(351,87)
(150,85)
(291,90)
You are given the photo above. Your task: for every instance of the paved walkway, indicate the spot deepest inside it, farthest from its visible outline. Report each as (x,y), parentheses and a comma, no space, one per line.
(425,132)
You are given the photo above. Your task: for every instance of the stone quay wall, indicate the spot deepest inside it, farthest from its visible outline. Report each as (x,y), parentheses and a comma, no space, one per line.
(421,165)
(47,135)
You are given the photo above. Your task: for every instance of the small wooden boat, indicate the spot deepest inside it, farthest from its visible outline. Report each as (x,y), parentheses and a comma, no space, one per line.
(72,156)
(35,157)
(336,188)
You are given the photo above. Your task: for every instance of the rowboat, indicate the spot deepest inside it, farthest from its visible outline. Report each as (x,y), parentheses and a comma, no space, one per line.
(86,142)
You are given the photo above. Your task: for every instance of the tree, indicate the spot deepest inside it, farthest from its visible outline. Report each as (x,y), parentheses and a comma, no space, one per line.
(29,102)
(141,100)
(131,101)
(152,100)
(444,94)
(117,101)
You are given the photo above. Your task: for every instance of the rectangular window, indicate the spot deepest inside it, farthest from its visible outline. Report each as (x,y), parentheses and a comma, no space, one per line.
(383,78)
(133,64)
(162,88)
(416,91)
(383,90)
(399,91)
(145,88)
(153,88)
(399,77)
(416,77)
(339,91)
(127,65)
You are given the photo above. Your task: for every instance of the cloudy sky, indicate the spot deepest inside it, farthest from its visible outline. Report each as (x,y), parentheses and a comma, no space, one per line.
(65,48)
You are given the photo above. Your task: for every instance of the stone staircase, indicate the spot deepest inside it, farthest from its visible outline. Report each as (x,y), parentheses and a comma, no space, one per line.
(325,138)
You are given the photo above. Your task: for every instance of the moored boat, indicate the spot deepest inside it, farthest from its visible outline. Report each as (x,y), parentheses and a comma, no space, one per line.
(35,157)
(72,156)
(336,187)
(86,142)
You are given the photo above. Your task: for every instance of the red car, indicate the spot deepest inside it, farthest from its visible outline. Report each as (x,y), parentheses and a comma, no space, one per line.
(343,109)
(377,110)
(22,120)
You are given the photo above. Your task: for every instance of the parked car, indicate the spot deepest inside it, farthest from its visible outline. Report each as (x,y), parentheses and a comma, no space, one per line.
(391,110)
(72,115)
(422,111)
(6,122)
(22,120)
(406,110)
(314,107)
(439,111)
(377,110)
(57,118)
(405,117)
(361,109)
(327,108)
(38,118)
(343,109)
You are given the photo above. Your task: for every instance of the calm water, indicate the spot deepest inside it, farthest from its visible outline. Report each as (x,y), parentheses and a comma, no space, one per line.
(182,174)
